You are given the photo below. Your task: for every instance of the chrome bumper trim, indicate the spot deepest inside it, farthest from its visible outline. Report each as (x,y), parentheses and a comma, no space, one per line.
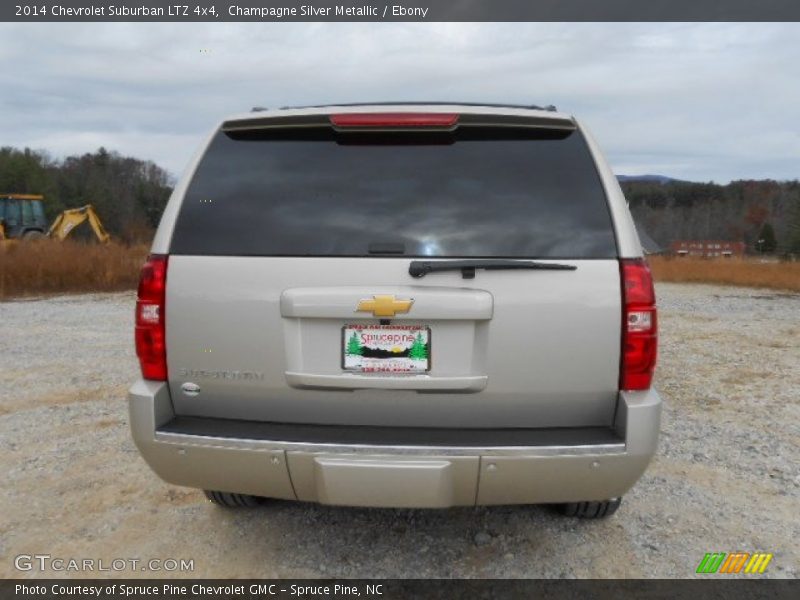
(179,439)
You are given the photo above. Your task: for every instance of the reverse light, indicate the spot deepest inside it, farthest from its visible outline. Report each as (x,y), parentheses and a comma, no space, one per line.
(151,346)
(640,320)
(640,327)
(394,120)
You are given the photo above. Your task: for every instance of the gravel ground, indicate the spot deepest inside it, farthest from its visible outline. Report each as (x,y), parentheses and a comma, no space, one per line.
(725,478)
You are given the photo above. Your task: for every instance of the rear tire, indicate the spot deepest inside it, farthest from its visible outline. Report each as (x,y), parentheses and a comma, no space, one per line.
(590,510)
(231,500)
(32,236)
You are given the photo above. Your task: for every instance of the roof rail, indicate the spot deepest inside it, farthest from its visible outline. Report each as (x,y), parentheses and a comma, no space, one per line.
(549,107)
(22,196)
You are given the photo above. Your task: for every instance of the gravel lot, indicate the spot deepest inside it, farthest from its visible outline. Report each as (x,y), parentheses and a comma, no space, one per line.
(725,479)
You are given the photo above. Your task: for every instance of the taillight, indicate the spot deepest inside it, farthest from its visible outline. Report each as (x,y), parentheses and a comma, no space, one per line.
(639,325)
(394,120)
(151,344)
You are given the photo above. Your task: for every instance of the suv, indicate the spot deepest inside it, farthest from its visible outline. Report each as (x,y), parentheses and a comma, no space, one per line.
(398,305)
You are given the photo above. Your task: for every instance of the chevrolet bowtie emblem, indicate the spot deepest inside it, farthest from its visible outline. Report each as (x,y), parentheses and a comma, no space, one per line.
(384,306)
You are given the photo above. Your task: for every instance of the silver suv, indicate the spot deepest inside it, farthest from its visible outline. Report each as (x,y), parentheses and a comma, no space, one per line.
(398,305)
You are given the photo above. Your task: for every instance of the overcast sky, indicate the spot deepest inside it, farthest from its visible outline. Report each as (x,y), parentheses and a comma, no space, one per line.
(694,101)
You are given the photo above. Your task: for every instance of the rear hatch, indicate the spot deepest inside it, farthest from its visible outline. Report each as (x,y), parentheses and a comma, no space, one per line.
(292,295)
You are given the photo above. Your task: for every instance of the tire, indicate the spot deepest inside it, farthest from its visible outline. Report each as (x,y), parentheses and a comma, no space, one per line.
(231,500)
(591,510)
(33,235)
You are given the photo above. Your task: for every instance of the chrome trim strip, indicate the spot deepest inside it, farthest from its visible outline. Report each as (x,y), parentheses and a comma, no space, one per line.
(180,439)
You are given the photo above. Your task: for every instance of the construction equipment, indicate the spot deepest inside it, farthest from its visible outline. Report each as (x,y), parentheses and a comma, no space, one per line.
(71,218)
(22,218)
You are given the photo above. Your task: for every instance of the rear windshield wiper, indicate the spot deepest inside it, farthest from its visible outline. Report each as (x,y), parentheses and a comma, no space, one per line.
(420,268)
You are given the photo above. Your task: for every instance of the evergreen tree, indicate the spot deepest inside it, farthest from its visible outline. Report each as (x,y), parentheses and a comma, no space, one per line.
(354,347)
(418,349)
(766,239)
(793,234)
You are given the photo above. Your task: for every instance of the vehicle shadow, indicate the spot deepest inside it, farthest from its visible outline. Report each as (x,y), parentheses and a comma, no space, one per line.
(327,541)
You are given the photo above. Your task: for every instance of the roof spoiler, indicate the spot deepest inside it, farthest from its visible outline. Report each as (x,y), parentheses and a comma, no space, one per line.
(549,107)
(395,120)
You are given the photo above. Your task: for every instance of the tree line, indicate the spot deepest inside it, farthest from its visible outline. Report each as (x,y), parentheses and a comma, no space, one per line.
(129,194)
(763,214)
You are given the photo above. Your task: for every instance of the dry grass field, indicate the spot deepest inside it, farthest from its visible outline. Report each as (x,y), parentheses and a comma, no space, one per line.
(51,267)
(728,271)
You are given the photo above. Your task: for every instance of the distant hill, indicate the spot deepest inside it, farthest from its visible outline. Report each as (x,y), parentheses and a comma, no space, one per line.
(740,211)
(646,178)
(129,194)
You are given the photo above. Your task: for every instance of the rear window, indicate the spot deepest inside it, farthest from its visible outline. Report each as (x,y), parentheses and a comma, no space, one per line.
(27,211)
(38,211)
(477,192)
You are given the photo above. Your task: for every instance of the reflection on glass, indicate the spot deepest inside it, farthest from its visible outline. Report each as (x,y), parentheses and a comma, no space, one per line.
(473,198)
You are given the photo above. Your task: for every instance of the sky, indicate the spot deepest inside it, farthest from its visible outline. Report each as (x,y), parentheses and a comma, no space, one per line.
(699,101)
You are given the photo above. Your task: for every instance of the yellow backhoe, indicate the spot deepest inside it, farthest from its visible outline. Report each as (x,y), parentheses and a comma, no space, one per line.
(22,218)
(72,217)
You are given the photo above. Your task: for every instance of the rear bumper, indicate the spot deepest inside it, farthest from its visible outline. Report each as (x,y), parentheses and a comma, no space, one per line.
(393,467)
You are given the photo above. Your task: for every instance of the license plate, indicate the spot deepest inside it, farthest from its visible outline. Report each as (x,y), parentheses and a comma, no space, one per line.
(386,348)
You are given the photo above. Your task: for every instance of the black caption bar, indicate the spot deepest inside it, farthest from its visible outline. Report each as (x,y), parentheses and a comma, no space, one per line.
(391,589)
(399,10)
